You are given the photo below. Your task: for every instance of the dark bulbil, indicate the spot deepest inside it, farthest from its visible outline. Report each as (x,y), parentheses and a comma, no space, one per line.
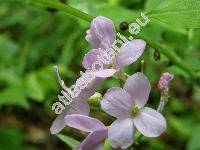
(156,55)
(123,26)
(168,63)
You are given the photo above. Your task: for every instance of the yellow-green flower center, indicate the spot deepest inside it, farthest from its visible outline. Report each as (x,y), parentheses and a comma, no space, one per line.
(135,111)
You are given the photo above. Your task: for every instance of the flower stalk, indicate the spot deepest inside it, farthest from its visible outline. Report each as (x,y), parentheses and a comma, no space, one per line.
(60,6)
(163,101)
(122,76)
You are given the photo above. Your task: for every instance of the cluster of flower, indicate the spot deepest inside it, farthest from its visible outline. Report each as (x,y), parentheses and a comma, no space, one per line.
(126,104)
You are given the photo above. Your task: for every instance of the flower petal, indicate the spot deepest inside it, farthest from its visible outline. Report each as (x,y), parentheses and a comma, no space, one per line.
(86,86)
(83,123)
(76,107)
(121,133)
(59,122)
(101,33)
(138,87)
(105,73)
(150,122)
(95,140)
(130,52)
(79,107)
(117,102)
(91,57)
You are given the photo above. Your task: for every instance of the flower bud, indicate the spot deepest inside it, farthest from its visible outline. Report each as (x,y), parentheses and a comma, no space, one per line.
(164,82)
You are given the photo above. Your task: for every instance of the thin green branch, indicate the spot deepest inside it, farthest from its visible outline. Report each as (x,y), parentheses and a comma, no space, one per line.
(60,6)
(171,56)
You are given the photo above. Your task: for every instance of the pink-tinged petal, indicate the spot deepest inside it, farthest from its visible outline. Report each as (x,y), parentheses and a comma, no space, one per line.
(117,102)
(130,52)
(105,73)
(86,86)
(101,33)
(90,83)
(79,107)
(138,87)
(121,133)
(150,122)
(83,123)
(91,57)
(59,122)
(76,107)
(95,140)
(100,145)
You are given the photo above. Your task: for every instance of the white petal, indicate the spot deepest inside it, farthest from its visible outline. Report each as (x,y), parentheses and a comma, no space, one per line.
(138,87)
(150,122)
(91,57)
(58,123)
(95,140)
(76,107)
(89,84)
(83,123)
(79,107)
(105,73)
(121,133)
(130,52)
(117,102)
(101,33)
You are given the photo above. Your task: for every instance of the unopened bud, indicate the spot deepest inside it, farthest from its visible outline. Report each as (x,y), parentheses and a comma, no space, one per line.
(163,83)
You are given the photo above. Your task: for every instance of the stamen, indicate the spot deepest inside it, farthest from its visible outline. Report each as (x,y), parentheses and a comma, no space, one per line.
(135,111)
(61,82)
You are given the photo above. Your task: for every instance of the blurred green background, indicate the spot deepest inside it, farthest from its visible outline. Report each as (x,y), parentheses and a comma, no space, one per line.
(33,40)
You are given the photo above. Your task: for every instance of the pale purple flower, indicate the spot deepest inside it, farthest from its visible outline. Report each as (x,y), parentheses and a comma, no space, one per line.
(102,36)
(163,83)
(101,33)
(78,104)
(97,131)
(127,105)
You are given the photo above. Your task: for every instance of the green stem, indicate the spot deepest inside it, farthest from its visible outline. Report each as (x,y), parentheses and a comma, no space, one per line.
(122,76)
(171,56)
(163,101)
(60,6)
(142,66)
(139,139)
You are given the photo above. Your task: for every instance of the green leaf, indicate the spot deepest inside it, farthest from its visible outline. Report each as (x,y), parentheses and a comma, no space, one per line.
(8,76)
(68,50)
(116,13)
(184,13)
(151,4)
(100,8)
(182,126)
(14,95)
(8,51)
(68,140)
(196,94)
(107,145)
(34,89)
(11,139)
(193,143)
